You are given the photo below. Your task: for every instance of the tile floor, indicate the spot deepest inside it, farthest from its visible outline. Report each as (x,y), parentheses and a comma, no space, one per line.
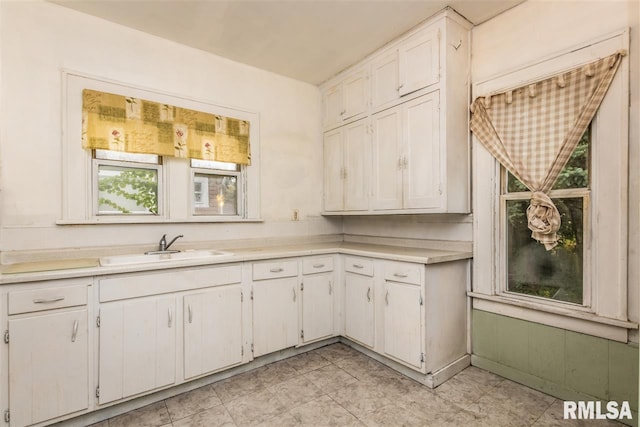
(338,386)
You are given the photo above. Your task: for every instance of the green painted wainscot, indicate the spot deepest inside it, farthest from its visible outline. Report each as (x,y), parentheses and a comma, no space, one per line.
(564,364)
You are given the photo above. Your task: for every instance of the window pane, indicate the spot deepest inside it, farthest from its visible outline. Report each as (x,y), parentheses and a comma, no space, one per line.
(125,190)
(574,175)
(215,194)
(127,157)
(532,270)
(211,164)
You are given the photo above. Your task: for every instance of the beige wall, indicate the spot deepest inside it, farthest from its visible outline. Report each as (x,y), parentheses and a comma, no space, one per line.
(40,39)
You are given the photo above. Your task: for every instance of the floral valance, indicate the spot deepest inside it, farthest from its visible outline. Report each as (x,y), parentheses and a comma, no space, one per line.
(134,125)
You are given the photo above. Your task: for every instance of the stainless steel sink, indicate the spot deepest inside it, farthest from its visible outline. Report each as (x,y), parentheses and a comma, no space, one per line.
(155,257)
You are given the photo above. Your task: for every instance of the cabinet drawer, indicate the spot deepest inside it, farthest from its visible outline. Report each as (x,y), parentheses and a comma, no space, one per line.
(275,269)
(403,272)
(317,265)
(356,265)
(47,298)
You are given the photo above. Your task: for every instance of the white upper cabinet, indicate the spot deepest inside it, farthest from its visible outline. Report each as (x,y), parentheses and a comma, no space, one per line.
(419,61)
(346,99)
(346,167)
(417,103)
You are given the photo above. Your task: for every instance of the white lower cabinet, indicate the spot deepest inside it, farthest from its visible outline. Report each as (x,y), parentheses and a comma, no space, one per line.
(48,352)
(403,323)
(317,290)
(213,336)
(137,346)
(359,313)
(275,306)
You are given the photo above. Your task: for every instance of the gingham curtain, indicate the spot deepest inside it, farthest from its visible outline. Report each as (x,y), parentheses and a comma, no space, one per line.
(533,130)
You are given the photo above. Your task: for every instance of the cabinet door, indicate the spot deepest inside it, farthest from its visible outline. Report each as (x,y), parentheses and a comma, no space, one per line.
(359,310)
(387,162)
(422,163)
(403,336)
(317,307)
(333,171)
(332,102)
(212,330)
(356,165)
(48,366)
(419,61)
(137,346)
(385,79)
(355,94)
(275,315)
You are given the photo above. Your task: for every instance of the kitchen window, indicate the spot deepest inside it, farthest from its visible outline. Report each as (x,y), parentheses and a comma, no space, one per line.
(217,188)
(531,270)
(126,183)
(580,285)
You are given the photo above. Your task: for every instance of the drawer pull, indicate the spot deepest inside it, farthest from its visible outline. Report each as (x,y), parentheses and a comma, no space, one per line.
(170,318)
(369,294)
(190,314)
(358,265)
(401,275)
(74,335)
(277,270)
(318,265)
(47,300)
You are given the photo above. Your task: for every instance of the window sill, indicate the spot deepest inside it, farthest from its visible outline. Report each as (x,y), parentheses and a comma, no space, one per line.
(560,317)
(153,220)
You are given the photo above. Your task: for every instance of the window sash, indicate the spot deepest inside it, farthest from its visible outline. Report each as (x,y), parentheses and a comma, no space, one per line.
(240,191)
(502,248)
(95,165)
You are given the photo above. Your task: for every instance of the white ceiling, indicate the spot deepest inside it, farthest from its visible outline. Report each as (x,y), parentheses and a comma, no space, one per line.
(308,40)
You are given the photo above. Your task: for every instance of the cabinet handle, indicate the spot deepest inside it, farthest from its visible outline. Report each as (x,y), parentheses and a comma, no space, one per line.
(386,298)
(47,301)
(330,287)
(190,314)
(277,270)
(343,112)
(294,294)
(170,317)
(74,335)
(358,265)
(369,294)
(400,86)
(318,265)
(401,275)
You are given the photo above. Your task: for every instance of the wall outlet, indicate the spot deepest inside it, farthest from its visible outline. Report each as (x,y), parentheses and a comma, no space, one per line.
(295,215)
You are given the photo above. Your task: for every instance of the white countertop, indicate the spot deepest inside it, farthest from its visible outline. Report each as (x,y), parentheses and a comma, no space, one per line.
(86,267)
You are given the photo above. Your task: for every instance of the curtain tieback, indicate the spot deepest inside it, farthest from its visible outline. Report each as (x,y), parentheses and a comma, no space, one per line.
(544,219)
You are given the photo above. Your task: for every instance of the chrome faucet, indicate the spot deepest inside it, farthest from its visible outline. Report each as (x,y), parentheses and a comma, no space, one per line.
(163,246)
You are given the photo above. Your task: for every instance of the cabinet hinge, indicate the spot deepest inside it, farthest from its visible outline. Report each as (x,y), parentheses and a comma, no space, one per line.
(302,286)
(251,347)
(421,357)
(251,294)
(98,392)
(242,351)
(6,336)
(421,302)
(302,333)
(7,416)
(241,297)
(98,321)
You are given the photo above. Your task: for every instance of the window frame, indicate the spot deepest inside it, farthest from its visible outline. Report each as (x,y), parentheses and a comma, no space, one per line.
(502,284)
(609,314)
(77,205)
(241,178)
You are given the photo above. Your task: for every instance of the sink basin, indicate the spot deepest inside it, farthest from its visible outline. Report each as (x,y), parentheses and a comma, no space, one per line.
(161,257)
